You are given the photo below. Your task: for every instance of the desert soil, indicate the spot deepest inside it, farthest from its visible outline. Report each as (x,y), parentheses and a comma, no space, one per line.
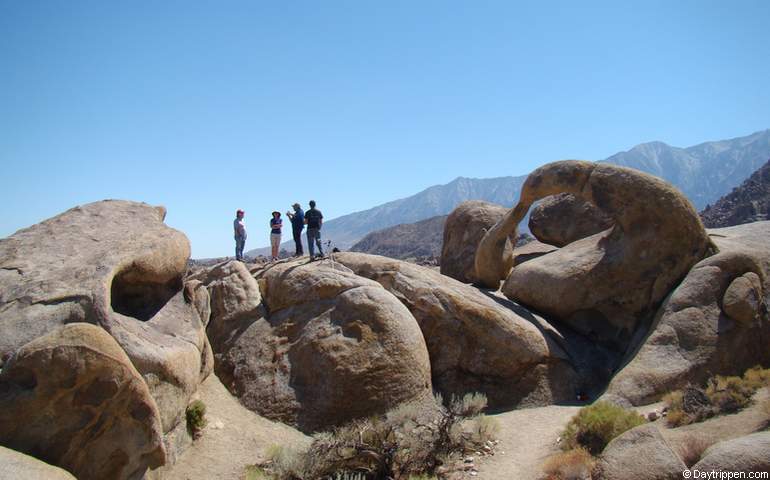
(233,439)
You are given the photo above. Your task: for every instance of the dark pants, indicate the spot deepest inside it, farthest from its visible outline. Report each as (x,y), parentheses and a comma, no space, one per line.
(297,241)
(314,234)
(239,244)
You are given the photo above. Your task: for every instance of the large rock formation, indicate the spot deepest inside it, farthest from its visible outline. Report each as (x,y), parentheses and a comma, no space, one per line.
(605,284)
(114,264)
(714,322)
(640,453)
(117,265)
(463,230)
(313,344)
(477,341)
(561,219)
(747,454)
(72,398)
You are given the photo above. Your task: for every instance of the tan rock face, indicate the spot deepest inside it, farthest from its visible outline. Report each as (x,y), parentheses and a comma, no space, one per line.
(561,219)
(750,453)
(693,336)
(463,230)
(117,265)
(323,347)
(602,285)
(477,342)
(72,398)
(641,452)
(14,464)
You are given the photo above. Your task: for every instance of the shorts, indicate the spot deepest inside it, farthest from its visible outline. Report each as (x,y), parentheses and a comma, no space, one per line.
(275,239)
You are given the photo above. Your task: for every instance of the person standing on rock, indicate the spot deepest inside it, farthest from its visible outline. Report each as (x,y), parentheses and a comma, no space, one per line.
(314,219)
(275,233)
(297,225)
(239,229)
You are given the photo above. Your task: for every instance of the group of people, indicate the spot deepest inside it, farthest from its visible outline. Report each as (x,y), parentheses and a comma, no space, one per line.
(312,219)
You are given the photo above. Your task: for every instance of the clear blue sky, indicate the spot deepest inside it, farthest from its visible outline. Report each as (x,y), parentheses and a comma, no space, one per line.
(206,107)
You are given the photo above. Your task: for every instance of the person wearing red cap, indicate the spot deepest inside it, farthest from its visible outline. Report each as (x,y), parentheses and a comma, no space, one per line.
(239,229)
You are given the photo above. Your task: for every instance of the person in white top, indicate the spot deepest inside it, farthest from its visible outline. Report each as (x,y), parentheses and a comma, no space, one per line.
(239,229)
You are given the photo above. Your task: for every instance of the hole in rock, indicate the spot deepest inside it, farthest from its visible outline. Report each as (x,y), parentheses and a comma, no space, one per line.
(135,296)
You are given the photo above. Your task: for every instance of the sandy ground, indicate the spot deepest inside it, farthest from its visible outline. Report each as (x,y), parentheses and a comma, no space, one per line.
(527,437)
(234,438)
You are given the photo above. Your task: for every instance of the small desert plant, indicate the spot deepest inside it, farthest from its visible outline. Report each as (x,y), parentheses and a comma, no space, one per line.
(413,439)
(729,394)
(723,394)
(254,472)
(575,464)
(594,426)
(691,448)
(196,417)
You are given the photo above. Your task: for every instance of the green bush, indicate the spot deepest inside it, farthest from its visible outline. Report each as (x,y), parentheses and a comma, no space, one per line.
(196,416)
(594,426)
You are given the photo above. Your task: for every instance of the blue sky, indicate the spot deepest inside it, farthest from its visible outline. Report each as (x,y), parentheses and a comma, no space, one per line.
(206,107)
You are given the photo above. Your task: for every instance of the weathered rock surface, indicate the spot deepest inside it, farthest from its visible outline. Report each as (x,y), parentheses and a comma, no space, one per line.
(324,347)
(477,342)
(640,453)
(73,399)
(602,285)
(17,466)
(750,453)
(115,264)
(561,219)
(693,336)
(531,250)
(463,230)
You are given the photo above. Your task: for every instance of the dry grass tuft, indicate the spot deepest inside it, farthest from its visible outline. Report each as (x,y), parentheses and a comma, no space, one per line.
(692,447)
(575,464)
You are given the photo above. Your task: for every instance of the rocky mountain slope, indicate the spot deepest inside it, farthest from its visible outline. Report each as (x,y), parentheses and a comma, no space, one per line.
(750,202)
(408,240)
(703,172)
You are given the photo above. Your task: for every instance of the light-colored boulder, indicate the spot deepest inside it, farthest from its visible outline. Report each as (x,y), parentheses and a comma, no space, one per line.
(743,298)
(463,230)
(115,264)
(17,466)
(692,337)
(605,284)
(642,454)
(561,219)
(324,347)
(477,342)
(73,399)
(750,453)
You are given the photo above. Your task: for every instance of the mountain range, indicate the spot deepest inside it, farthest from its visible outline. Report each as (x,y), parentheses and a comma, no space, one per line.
(704,172)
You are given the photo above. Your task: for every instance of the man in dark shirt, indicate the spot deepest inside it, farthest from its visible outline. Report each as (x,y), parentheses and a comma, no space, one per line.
(314,219)
(297,225)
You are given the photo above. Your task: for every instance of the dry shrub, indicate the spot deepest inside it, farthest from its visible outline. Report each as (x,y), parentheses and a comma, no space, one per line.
(595,426)
(729,394)
(757,377)
(723,394)
(691,448)
(412,439)
(575,464)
